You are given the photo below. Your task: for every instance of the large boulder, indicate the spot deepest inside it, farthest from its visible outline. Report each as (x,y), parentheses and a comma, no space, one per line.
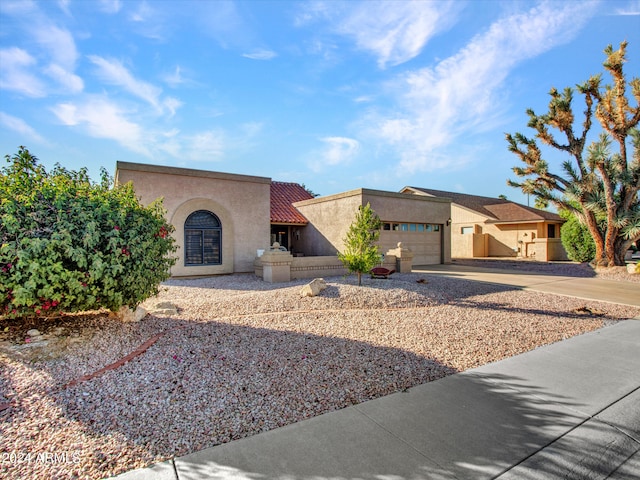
(313,288)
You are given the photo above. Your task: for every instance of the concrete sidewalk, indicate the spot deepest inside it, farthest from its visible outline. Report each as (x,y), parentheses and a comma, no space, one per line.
(570,410)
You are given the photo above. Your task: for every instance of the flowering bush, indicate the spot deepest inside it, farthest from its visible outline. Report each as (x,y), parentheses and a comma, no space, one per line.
(68,244)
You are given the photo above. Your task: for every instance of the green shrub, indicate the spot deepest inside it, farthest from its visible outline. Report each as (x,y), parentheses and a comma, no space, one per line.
(577,240)
(68,244)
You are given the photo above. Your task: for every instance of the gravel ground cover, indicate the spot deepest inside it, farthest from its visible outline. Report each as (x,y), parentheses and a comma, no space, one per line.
(243,356)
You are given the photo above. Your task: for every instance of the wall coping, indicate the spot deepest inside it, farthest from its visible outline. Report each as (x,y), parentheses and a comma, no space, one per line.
(377,193)
(188,172)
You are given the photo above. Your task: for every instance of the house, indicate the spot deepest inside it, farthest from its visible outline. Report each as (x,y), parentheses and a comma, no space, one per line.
(223,221)
(419,222)
(494,227)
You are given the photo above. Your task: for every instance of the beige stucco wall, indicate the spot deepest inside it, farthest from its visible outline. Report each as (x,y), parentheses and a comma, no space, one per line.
(241,202)
(505,240)
(329,219)
(547,249)
(510,240)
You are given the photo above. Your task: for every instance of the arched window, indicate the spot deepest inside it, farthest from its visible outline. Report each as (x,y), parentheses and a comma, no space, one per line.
(202,239)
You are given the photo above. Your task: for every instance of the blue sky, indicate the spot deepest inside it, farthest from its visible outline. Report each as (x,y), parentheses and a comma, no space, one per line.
(335,95)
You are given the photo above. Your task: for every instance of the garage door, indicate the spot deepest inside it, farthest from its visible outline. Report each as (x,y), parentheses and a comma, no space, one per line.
(426,245)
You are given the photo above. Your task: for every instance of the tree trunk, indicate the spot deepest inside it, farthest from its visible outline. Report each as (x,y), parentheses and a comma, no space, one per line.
(600,258)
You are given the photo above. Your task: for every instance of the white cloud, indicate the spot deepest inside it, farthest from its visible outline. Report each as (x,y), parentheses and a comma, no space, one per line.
(142,13)
(223,21)
(394,32)
(110,6)
(49,42)
(115,73)
(205,146)
(311,11)
(21,127)
(171,104)
(64,6)
(632,8)
(58,42)
(101,118)
(261,55)
(17,73)
(175,78)
(461,94)
(61,48)
(251,129)
(339,150)
(149,21)
(71,82)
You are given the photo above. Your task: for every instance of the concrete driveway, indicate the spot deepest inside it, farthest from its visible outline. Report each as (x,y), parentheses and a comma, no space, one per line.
(625,293)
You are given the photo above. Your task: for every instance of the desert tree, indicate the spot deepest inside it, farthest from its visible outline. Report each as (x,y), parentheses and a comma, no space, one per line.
(361,253)
(599,181)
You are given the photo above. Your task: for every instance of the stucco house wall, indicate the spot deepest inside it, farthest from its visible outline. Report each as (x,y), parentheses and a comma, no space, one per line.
(330,217)
(502,240)
(464,243)
(241,202)
(487,227)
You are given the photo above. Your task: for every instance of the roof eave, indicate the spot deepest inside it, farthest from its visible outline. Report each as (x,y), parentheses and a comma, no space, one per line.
(281,222)
(514,222)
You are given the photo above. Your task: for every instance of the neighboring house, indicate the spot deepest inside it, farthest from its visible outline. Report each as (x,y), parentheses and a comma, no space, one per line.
(222,220)
(493,227)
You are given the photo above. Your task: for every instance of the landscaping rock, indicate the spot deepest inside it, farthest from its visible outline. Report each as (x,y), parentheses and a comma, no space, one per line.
(127,315)
(313,288)
(164,308)
(34,333)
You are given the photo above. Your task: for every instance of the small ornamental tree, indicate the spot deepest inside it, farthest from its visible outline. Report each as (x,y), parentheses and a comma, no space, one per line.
(68,244)
(361,253)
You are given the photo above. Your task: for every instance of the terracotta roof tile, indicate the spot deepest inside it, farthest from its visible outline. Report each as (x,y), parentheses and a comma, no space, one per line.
(283,194)
(496,209)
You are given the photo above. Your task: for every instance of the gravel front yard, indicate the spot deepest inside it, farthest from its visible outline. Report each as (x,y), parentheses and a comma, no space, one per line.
(243,356)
